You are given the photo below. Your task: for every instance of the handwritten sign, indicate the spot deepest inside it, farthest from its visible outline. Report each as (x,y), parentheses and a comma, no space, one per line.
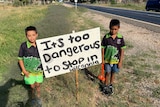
(66,53)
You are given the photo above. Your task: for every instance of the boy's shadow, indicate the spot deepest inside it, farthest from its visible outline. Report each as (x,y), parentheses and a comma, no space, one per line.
(4,92)
(90,75)
(94,78)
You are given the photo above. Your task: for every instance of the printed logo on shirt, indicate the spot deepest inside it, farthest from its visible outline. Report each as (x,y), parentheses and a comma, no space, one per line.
(118,41)
(32,64)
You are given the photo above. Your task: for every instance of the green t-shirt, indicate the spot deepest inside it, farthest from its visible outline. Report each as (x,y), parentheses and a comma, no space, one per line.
(29,55)
(112,48)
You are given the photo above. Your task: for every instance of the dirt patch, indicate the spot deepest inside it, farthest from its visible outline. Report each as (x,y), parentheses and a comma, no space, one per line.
(68,5)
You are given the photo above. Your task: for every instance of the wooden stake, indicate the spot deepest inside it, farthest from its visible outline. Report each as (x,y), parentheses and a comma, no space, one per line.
(76,80)
(76,75)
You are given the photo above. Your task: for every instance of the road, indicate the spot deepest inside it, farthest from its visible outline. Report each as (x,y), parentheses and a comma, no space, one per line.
(151,17)
(148,20)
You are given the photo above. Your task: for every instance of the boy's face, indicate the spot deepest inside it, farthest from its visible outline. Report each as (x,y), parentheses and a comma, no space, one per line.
(114,30)
(32,36)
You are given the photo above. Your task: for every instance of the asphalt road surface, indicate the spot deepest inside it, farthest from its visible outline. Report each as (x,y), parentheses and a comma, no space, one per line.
(151,17)
(148,20)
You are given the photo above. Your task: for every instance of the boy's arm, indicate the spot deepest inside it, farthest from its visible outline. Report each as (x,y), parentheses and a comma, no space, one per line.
(103,44)
(23,68)
(121,58)
(102,55)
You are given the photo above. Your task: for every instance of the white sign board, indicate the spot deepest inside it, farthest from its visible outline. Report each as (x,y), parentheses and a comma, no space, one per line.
(65,53)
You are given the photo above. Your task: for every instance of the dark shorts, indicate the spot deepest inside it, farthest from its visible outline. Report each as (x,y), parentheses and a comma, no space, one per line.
(111,67)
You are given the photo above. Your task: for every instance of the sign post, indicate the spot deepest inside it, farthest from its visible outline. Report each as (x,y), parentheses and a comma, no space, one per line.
(77,85)
(76,81)
(75,1)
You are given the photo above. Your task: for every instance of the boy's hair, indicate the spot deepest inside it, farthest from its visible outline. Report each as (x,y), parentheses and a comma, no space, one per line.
(114,22)
(29,28)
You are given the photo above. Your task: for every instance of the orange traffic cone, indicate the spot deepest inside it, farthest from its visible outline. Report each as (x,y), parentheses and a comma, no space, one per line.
(101,76)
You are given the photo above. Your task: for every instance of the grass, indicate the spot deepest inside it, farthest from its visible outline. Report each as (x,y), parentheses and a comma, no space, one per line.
(156,67)
(13,21)
(129,5)
(129,45)
(156,92)
(56,22)
(140,74)
(57,91)
(134,6)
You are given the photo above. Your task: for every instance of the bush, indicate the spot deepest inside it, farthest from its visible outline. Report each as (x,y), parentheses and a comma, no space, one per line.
(113,2)
(17,3)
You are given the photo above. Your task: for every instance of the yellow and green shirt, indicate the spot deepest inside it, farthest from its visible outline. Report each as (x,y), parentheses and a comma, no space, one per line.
(112,48)
(30,56)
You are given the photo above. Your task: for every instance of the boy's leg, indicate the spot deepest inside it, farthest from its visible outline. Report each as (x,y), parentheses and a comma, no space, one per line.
(37,89)
(38,93)
(107,78)
(30,81)
(108,73)
(114,70)
(106,88)
(112,77)
(39,80)
(111,82)
(33,87)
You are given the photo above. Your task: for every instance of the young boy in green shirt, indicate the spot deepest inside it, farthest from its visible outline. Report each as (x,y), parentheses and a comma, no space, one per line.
(29,61)
(112,53)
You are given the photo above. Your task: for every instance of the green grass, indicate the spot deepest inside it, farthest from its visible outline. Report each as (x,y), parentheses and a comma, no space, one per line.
(140,74)
(13,21)
(129,45)
(156,92)
(134,6)
(156,67)
(139,65)
(129,5)
(56,22)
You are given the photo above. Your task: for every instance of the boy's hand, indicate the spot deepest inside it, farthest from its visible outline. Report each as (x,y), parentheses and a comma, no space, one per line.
(26,74)
(119,64)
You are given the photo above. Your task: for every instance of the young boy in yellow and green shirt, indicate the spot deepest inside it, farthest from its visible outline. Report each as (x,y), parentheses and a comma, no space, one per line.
(29,61)
(112,53)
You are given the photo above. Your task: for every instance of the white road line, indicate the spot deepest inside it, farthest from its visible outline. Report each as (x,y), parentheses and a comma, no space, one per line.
(129,18)
(153,15)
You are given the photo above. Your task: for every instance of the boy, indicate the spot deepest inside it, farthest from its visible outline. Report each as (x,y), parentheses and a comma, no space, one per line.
(112,54)
(29,61)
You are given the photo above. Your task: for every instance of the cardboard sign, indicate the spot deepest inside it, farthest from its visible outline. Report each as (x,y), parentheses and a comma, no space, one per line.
(69,52)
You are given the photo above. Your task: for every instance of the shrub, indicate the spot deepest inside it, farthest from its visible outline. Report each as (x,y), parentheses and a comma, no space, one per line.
(113,2)
(17,3)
